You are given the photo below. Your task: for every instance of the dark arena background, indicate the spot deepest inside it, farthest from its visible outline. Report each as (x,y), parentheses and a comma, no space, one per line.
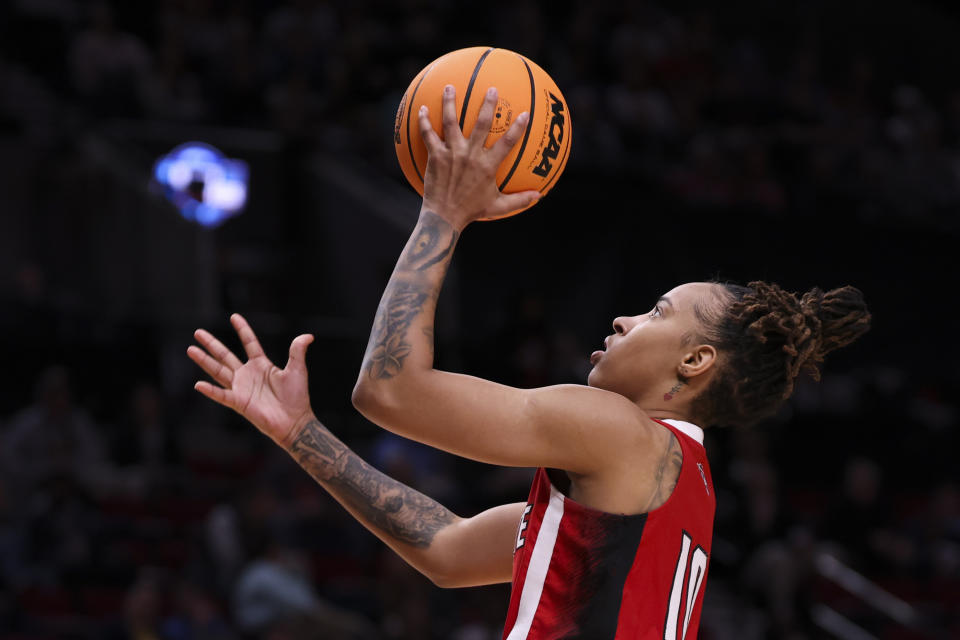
(813,143)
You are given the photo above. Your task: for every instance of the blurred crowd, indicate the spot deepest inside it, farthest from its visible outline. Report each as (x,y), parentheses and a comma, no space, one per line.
(176,520)
(130,509)
(159,527)
(743,106)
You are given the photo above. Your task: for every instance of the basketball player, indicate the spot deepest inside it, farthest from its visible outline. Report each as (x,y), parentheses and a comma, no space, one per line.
(614,540)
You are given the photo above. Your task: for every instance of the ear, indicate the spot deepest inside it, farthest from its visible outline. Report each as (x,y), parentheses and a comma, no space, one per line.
(698,361)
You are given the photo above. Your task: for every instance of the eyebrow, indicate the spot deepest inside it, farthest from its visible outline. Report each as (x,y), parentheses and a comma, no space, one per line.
(666,301)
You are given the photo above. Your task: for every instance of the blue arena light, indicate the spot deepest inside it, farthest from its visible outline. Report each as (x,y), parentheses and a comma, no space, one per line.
(204,185)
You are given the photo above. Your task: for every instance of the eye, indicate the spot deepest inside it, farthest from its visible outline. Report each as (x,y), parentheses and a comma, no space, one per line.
(656,313)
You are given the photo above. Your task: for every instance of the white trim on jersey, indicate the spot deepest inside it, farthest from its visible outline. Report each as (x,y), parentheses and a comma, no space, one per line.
(539,564)
(688,428)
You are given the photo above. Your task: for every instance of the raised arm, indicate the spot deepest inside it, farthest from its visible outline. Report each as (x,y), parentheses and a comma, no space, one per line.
(450,550)
(576,428)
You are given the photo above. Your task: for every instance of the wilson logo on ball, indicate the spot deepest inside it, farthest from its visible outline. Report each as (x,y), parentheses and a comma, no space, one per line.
(556,137)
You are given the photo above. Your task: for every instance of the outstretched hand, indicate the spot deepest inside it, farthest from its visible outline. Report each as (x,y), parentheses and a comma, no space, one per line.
(460,179)
(276,401)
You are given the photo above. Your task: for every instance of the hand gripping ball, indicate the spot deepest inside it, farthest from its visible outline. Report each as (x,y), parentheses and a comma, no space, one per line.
(540,156)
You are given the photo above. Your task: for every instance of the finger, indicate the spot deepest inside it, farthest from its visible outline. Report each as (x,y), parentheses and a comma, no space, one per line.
(509,139)
(451,128)
(216,370)
(481,129)
(249,339)
(429,135)
(217,394)
(508,202)
(298,351)
(217,349)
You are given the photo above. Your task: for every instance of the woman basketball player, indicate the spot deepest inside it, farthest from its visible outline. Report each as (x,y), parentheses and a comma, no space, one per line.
(614,540)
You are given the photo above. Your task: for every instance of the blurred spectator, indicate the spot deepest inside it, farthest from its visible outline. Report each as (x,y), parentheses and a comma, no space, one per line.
(274,593)
(62,526)
(236,72)
(860,520)
(154,611)
(773,556)
(108,65)
(145,447)
(142,611)
(53,439)
(937,535)
(172,89)
(405,596)
(779,576)
(196,615)
(416,465)
(224,543)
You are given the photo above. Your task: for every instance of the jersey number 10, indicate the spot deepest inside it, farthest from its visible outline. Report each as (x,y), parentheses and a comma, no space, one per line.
(697,572)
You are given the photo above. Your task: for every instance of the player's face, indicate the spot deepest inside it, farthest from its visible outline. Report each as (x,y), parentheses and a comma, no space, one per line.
(645,351)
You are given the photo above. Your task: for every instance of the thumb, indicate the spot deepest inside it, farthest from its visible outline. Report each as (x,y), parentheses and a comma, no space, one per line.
(509,202)
(298,350)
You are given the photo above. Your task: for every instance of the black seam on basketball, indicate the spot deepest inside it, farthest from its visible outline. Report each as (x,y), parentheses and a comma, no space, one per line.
(473,79)
(526,134)
(566,149)
(413,96)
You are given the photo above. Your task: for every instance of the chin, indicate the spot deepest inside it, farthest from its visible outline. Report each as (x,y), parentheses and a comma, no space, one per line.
(594,380)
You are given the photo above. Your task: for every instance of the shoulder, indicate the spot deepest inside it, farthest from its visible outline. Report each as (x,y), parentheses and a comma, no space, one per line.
(608,423)
(591,405)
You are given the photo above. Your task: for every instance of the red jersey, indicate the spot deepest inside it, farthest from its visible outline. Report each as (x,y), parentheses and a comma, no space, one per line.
(583,573)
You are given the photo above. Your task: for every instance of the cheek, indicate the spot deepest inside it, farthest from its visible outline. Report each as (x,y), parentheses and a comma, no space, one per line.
(632,361)
(653,348)
(643,342)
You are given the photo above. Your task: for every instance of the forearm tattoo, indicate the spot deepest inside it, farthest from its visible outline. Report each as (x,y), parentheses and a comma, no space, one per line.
(390,506)
(426,251)
(409,290)
(401,304)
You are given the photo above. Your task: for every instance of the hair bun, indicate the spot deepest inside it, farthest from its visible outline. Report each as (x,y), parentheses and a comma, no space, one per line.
(843,315)
(767,336)
(812,301)
(808,326)
(811,308)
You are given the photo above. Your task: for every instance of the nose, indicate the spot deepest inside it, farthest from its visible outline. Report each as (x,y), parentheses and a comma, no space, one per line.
(621,324)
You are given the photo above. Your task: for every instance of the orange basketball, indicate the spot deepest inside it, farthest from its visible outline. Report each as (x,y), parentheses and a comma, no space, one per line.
(540,156)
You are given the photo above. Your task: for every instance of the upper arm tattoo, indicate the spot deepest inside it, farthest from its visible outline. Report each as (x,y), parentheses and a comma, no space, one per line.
(392,507)
(667,473)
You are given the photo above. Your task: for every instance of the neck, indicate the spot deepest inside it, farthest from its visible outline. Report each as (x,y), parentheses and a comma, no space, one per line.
(669,401)
(668,414)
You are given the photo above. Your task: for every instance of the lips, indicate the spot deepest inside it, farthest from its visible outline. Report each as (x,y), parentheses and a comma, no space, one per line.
(596,355)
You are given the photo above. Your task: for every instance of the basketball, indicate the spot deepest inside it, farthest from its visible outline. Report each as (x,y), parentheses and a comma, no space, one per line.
(541,155)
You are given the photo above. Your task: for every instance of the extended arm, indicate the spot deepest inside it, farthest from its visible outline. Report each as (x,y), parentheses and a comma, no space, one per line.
(450,550)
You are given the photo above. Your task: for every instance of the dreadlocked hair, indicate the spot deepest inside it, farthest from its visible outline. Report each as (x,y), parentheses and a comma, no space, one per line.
(766,336)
